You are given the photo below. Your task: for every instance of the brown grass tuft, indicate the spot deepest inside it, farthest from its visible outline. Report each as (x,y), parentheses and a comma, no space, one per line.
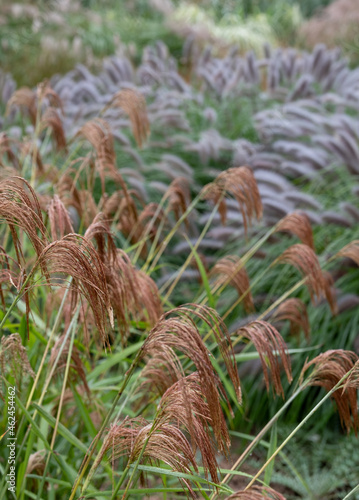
(165,443)
(351,251)
(51,119)
(295,311)
(179,196)
(60,222)
(240,183)
(184,404)
(328,368)
(19,207)
(232,270)
(181,334)
(305,260)
(272,351)
(5,148)
(73,255)
(36,463)
(257,493)
(14,354)
(24,99)
(133,103)
(298,224)
(98,133)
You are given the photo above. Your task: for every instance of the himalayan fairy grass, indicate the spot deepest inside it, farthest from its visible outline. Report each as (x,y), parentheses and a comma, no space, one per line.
(179,401)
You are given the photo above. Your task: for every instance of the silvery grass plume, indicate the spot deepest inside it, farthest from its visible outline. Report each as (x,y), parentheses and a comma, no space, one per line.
(241,184)
(272,351)
(232,270)
(257,493)
(13,355)
(77,370)
(295,311)
(328,369)
(163,443)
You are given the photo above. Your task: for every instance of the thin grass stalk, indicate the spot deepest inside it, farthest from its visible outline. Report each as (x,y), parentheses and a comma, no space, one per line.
(34,148)
(219,288)
(351,493)
(127,378)
(260,435)
(189,258)
(67,369)
(305,419)
(48,381)
(157,235)
(277,302)
(252,284)
(54,328)
(125,472)
(170,235)
(17,298)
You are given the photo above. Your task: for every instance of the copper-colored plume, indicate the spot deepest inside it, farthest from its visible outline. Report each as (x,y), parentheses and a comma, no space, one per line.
(271,349)
(298,224)
(73,255)
(305,260)
(99,135)
(178,195)
(181,334)
(131,291)
(328,369)
(257,493)
(165,442)
(77,370)
(25,99)
(14,354)
(184,404)
(294,310)
(232,270)
(351,251)
(45,92)
(330,292)
(240,183)
(5,148)
(60,222)
(51,119)
(19,207)
(28,100)
(133,103)
(36,463)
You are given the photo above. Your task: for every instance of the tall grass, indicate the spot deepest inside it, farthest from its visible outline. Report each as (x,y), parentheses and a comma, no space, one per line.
(138,346)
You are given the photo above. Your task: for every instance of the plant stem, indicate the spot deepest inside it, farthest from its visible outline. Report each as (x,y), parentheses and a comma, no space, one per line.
(260,435)
(305,419)
(101,431)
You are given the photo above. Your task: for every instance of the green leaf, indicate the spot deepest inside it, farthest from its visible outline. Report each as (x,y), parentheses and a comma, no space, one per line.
(207,287)
(272,447)
(62,430)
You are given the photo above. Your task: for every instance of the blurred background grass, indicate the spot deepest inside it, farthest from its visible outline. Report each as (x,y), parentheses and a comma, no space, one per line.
(40,38)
